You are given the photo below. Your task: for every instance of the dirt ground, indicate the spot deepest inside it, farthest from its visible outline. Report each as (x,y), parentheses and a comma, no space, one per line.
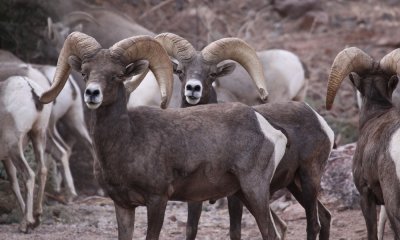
(93,218)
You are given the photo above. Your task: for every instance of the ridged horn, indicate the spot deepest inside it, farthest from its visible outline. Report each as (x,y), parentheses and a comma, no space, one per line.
(147,48)
(239,51)
(176,46)
(348,60)
(77,44)
(391,62)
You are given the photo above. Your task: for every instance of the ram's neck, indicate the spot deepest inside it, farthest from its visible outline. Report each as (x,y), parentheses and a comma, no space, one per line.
(110,126)
(371,110)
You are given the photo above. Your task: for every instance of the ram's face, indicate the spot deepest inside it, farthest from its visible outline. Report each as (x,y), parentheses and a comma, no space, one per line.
(102,75)
(197,78)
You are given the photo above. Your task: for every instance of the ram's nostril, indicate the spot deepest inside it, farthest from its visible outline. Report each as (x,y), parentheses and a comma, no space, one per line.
(189,87)
(197,88)
(88,92)
(96,92)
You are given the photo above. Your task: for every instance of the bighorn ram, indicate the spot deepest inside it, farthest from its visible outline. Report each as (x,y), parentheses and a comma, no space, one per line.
(376,161)
(148,156)
(283,70)
(23,117)
(309,136)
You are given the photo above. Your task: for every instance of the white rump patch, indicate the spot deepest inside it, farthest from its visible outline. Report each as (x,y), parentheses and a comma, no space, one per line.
(395,151)
(275,136)
(328,130)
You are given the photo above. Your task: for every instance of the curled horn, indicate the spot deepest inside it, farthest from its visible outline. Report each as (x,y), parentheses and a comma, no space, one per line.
(348,60)
(239,51)
(391,62)
(77,44)
(176,46)
(145,47)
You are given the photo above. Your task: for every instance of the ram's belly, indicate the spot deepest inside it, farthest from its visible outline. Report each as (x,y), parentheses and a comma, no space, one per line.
(201,187)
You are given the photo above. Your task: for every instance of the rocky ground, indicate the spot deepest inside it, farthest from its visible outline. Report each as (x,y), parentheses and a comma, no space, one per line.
(314,30)
(93,219)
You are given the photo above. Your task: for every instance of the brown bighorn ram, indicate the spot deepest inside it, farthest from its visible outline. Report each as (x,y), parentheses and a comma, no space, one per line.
(198,70)
(147,156)
(309,136)
(376,162)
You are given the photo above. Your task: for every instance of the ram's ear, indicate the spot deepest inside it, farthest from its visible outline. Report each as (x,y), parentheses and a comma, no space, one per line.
(355,80)
(392,84)
(75,63)
(136,68)
(225,69)
(174,63)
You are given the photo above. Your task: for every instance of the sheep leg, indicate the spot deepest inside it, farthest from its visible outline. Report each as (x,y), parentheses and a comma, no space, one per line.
(368,207)
(256,198)
(155,216)
(125,222)
(235,207)
(323,213)
(38,139)
(393,213)
(281,223)
(12,175)
(194,213)
(63,158)
(17,156)
(382,222)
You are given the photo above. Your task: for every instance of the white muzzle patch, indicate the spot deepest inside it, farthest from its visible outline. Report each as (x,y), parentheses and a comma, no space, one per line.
(93,96)
(193,91)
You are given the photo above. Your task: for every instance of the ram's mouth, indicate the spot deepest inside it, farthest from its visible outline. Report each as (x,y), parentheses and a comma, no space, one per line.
(93,105)
(192,100)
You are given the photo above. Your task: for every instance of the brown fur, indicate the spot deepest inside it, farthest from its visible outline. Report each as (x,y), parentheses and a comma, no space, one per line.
(373,168)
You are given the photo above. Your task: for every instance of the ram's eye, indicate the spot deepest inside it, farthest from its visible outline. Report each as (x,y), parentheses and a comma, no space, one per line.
(84,75)
(213,75)
(179,71)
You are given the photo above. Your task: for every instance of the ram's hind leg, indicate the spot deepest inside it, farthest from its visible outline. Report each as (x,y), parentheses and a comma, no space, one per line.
(255,196)
(318,217)
(17,156)
(194,213)
(393,214)
(12,175)
(368,207)
(38,142)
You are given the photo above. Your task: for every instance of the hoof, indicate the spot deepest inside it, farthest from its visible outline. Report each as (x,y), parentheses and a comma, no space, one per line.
(25,227)
(38,220)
